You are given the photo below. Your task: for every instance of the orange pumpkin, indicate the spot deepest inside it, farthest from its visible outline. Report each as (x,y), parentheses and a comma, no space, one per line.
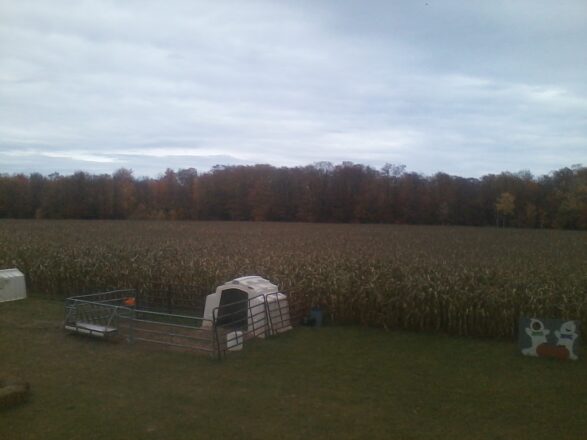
(554,351)
(129,301)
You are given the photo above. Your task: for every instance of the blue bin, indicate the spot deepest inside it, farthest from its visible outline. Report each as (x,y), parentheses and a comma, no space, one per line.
(316,315)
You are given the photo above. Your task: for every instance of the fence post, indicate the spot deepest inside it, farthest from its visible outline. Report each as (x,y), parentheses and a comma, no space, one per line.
(131,327)
(215,330)
(269,325)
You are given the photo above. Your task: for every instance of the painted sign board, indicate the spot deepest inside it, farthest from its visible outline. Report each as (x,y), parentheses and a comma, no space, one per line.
(557,338)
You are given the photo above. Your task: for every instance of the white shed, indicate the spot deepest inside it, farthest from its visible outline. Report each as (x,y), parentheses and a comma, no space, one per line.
(12,285)
(243,300)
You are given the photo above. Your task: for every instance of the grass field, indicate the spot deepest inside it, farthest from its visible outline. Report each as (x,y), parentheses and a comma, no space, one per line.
(340,382)
(454,280)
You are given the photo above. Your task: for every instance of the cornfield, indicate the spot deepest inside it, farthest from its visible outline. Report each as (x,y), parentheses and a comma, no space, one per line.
(455,280)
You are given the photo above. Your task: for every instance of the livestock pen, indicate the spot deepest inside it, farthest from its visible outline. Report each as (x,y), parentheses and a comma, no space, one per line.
(245,308)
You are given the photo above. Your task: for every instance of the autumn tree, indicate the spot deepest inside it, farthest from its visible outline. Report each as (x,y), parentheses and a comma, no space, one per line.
(505,205)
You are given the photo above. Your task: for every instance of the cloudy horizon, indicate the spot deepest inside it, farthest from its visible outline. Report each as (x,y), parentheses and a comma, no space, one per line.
(465,88)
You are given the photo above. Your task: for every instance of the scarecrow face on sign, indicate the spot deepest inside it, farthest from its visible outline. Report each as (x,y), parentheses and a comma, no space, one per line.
(567,329)
(537,329)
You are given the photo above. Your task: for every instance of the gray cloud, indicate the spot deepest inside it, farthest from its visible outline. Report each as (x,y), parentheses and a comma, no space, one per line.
(466,88)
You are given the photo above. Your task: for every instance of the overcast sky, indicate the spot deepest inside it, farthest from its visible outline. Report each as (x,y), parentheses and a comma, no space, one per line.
(464,87)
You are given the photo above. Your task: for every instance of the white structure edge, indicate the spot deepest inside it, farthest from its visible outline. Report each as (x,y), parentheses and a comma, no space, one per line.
(253,286)
(12,285)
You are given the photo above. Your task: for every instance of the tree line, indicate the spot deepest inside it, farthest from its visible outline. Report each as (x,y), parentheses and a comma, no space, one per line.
(322,192)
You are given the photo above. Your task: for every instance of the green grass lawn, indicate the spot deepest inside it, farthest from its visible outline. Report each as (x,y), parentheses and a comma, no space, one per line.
(334,382)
